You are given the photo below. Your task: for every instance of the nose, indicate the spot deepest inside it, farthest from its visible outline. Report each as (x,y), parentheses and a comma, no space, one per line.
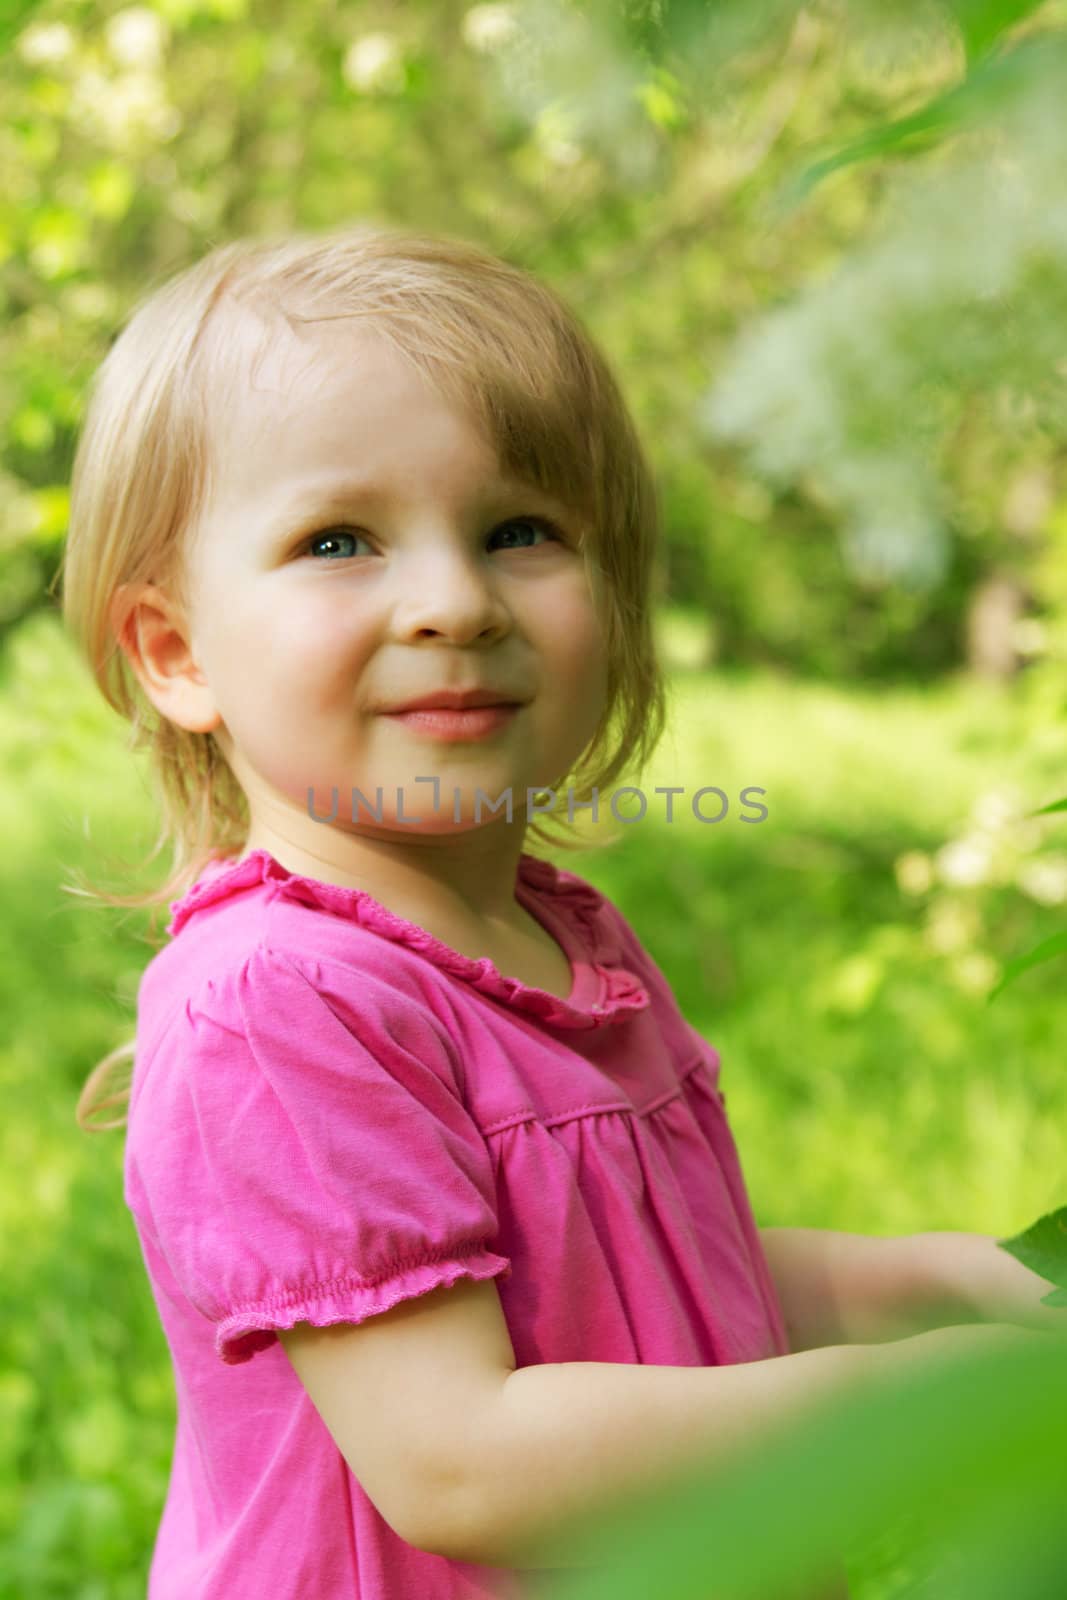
(449,595)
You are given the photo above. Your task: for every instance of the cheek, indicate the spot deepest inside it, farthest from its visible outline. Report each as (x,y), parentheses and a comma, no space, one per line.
(580,646)
(307,652)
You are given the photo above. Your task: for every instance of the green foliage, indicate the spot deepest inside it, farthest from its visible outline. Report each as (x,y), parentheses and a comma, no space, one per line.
(871,415)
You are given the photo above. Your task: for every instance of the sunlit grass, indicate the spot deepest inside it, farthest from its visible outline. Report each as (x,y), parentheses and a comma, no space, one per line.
(870,1086)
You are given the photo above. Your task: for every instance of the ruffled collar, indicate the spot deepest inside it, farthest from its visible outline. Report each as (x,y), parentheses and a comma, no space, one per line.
(603,990)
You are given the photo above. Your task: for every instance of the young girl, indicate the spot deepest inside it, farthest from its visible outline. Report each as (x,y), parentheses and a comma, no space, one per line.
(434,1183)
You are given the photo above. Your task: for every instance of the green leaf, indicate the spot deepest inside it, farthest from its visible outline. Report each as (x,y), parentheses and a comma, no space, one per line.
(995,81)
(1053,946)
(907,135)
(982,22)
(1043,1248)
(1057,805)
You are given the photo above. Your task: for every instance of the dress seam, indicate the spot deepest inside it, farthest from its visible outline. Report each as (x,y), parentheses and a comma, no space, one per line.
(527,1114)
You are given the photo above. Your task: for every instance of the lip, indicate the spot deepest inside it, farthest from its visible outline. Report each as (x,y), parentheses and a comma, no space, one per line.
(453,724)
(455,700)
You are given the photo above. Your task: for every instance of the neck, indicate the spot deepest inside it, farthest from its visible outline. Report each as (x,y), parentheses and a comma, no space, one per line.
(470,875)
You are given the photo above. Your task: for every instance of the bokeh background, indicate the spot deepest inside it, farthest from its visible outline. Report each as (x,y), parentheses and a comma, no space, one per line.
(825,248)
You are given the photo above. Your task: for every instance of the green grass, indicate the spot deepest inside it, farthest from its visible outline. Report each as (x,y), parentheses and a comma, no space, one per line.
(869,1086)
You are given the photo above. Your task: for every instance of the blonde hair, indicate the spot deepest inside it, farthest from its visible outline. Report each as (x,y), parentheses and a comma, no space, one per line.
(490,338)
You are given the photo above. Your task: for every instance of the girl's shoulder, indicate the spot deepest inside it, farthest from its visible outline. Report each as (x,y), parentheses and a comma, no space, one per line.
(279,1022)
(244,947)
(230,987)
(252,921)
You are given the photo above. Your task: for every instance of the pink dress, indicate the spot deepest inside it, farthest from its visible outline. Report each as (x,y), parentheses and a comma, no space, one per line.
(332,1112)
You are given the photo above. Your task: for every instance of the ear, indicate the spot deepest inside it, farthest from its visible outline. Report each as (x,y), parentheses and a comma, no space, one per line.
(152,633)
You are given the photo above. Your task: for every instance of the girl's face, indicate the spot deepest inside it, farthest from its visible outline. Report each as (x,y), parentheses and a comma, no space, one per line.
(361,550)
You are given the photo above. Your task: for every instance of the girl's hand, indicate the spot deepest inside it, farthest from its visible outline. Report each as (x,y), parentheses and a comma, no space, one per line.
(992,1286)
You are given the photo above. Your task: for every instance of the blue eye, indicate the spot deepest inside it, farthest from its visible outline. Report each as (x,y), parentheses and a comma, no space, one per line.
(537,523)
(334,536)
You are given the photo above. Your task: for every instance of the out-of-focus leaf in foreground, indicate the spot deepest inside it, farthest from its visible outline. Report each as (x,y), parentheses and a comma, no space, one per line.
(958,1451)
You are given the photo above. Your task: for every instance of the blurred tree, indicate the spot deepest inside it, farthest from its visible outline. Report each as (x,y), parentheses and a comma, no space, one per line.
(847,364)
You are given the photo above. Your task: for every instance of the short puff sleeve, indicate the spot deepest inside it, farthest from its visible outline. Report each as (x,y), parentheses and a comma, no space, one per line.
(299,1151)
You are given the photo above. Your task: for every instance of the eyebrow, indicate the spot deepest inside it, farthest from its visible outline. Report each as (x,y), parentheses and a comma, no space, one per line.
(331,496)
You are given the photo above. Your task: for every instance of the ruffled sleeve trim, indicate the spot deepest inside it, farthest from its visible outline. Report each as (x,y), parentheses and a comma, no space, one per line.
(572,907)
(254,1327)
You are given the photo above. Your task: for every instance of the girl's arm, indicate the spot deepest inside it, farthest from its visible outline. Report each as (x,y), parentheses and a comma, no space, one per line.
(559,1443)
(469,1457)
(852,1288)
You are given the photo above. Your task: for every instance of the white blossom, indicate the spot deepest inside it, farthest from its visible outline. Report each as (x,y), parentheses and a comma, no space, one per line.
(962,863)
(914,872)
(137,37)
(485,28)
(995,808)
(975,972)
(1044,879)
(45,44)
(373,62)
